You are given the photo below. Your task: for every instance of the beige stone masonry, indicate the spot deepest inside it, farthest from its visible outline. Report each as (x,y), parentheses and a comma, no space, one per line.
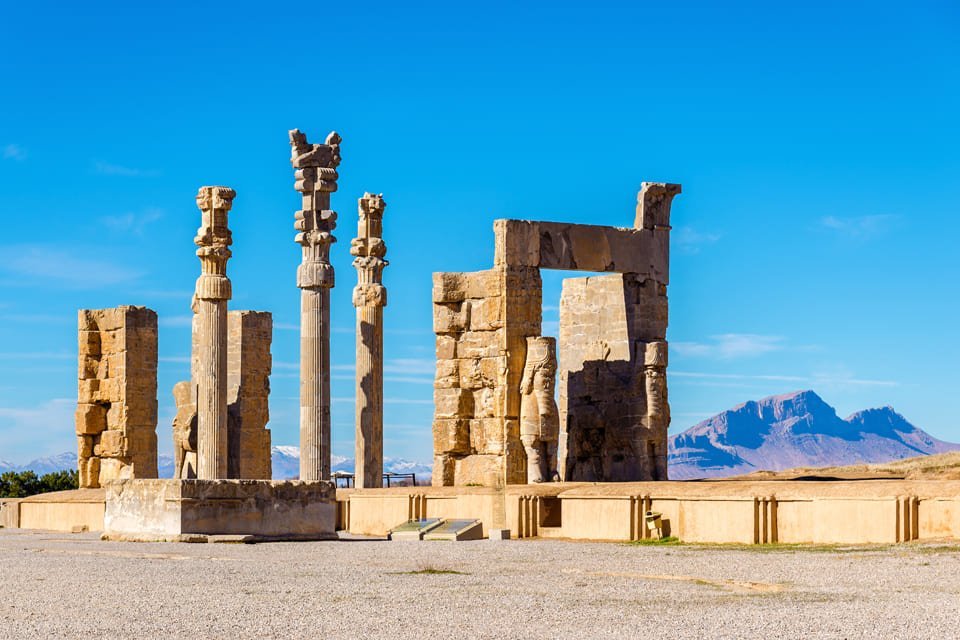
(483,321)
(116,417)
(250,334)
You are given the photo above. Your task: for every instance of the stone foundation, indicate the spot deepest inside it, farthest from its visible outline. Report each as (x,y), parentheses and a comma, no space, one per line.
(191,510)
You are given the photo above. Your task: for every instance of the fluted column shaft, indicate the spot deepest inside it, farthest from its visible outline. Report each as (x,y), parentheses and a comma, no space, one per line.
(212,451)
(315,384)
(316,178)
(210,305)
(369,297)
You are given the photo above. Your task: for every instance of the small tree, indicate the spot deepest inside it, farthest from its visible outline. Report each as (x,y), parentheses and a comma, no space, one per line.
(20,484)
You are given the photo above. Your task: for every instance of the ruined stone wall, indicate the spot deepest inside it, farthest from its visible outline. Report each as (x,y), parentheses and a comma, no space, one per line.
(249,363)
(613,421)
(481,320)
(116,417)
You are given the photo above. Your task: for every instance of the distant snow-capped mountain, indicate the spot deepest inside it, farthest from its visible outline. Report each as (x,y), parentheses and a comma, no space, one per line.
(285,459)
(794,430)
(41,466)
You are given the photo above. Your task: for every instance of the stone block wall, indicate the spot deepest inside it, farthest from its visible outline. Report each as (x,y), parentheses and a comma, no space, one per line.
(116,417)
(250,334)
(249,364)
(611,428)
(481,321)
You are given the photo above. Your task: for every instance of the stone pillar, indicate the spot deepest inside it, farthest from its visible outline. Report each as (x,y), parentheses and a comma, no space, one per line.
(248,393)
(116,418)
(316,176)
(369,297)
(210,306)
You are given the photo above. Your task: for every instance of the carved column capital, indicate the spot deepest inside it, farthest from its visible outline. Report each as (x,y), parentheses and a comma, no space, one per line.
(213,242)
(316,178)
(369,251)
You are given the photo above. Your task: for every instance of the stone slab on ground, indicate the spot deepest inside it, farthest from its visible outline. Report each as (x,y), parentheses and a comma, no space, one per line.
(184,510)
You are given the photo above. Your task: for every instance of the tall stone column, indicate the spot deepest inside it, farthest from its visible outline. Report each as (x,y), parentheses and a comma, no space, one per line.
(369,297)
(210,306)
(315,168)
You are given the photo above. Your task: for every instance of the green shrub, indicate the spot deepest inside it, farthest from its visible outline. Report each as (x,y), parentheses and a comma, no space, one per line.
(20,484)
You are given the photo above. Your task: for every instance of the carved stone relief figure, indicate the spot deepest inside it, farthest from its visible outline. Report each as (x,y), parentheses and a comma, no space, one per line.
(539,418)
(184,432)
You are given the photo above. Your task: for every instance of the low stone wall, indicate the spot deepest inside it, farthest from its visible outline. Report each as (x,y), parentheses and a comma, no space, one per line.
(10,513)
(716,512)
(260,509)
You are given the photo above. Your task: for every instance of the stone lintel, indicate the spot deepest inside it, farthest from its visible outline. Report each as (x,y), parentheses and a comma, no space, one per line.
(583,247)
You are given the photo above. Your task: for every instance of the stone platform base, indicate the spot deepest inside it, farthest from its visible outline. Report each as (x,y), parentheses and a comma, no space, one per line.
(219,510)
(726,511)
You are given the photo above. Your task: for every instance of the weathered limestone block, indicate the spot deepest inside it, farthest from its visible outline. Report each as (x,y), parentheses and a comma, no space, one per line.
(116,417)
(607,432)
(184,509)
(249,363)
(483,321)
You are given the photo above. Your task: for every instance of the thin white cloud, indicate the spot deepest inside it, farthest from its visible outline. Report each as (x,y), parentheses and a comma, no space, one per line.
(408,380)
(815,380)
(410,366)
(689,240)
(176,359)
(860,227)
(38,430)
(14,152)
(38,355)
(175,321)
(61,265)
(108,169)
(133,222)
(729,346)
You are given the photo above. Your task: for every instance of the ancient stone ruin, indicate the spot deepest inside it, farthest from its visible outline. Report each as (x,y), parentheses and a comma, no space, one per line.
(316,176)
(483,320)
(369,297)
(249,363)
(249,336)
(116,418)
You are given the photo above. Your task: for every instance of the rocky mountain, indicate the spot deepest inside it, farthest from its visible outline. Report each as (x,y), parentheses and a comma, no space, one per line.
(794,430)
(286,464)
(41,466)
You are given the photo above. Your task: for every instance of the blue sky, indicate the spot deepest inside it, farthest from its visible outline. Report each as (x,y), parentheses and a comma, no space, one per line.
(813,244)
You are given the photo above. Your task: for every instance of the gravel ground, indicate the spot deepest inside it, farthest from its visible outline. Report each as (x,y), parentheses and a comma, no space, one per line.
(75,586)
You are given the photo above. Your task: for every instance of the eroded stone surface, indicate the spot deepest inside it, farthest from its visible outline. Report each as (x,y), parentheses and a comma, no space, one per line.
(116,417)
(369,297)
(539,418)
(316,176)
(249,363)
(614,412)
(164,509)
(210,330)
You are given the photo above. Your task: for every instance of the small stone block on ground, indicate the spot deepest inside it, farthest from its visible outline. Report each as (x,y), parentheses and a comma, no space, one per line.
(414,529)
(498,534)
(456,530)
